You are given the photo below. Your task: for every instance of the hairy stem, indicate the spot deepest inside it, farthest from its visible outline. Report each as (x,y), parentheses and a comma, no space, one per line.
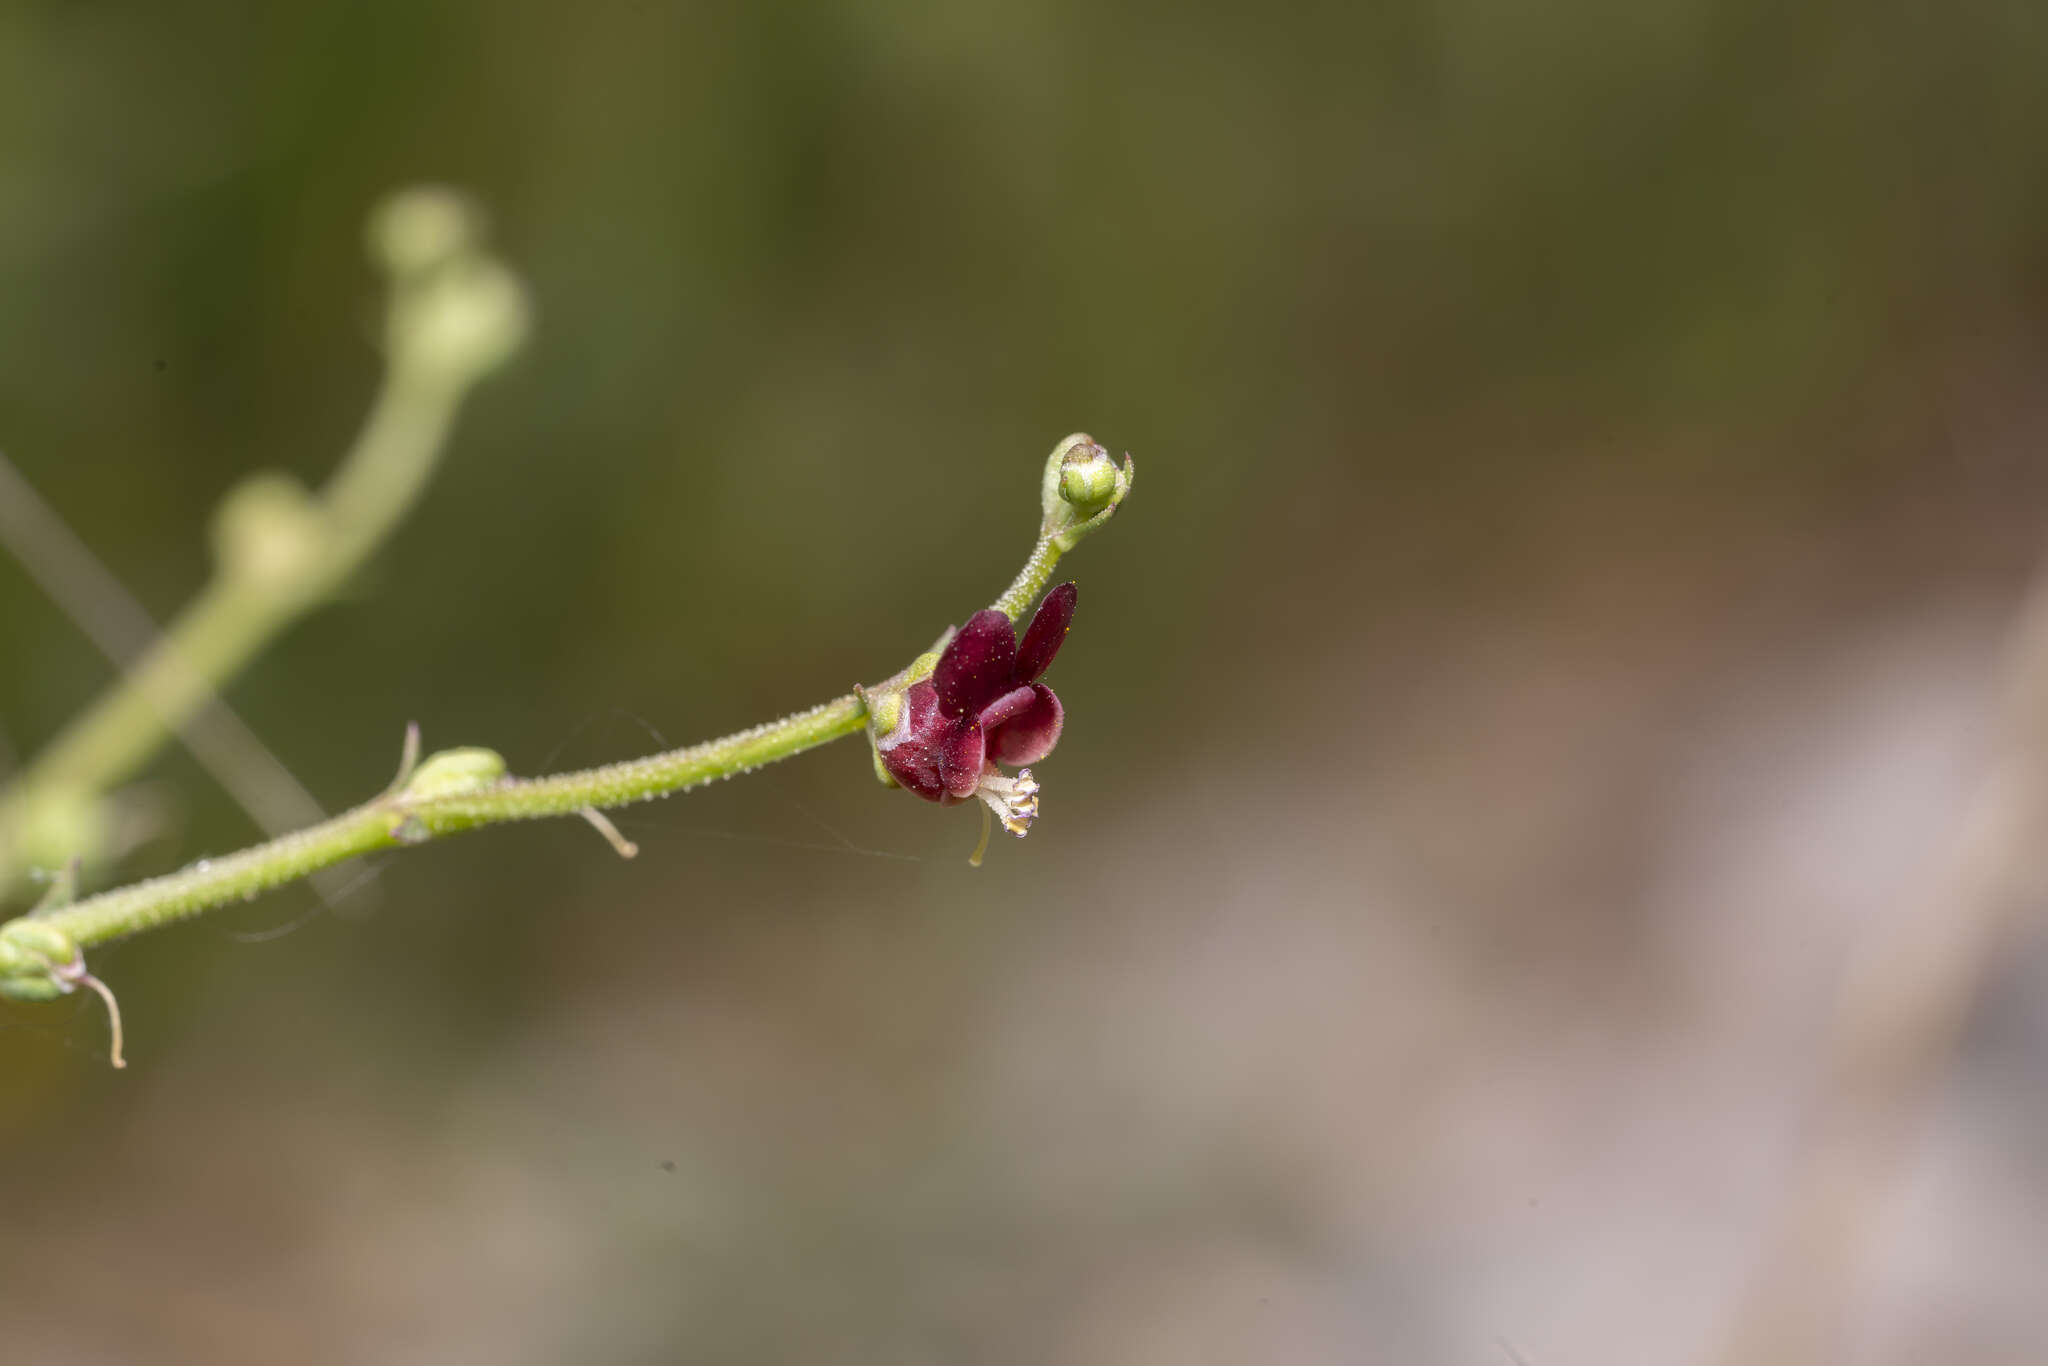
(424,809)
(1030,581)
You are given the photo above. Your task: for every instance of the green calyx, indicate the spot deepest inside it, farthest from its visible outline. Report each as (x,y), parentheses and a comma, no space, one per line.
(40,962)
(450,773)
(34,956)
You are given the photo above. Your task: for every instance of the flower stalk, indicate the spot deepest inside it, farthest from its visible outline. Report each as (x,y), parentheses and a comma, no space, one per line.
(446,793)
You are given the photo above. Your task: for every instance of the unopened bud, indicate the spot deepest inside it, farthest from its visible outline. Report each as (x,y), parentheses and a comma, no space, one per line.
(461,322)
(451,773)
(1083,486)
(455,772)
(268,531)
(1087,475)
(33,956)
(420,229)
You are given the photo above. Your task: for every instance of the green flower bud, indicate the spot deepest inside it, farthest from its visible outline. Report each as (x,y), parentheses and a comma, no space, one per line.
(455,773)
(417,230)
(1083,487)
(455,313)
(268,531)
(32,955)
(1088,476)
(39,962)
(451,773)
(463,321)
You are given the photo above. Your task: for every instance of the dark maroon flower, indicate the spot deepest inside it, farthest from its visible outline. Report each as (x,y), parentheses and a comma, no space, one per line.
(982,705)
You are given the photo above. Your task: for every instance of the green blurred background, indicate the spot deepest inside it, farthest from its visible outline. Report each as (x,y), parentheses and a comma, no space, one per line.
(1587,454)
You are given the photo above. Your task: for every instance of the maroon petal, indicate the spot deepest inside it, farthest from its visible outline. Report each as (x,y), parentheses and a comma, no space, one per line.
(917,768)
(911,751)
(975,669)
(1048,628)
(1029,736)
(960,758)
(1012,703)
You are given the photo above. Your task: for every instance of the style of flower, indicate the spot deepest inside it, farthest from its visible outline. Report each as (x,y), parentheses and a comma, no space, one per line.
(980,705)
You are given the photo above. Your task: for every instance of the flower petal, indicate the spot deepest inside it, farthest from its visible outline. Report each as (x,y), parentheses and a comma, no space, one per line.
(911,751)
(1012,703)
(960,758)
(975,669)
(1030,735)
(1047,630)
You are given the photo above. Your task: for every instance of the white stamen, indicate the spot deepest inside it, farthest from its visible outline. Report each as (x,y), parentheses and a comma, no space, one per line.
(1014,800)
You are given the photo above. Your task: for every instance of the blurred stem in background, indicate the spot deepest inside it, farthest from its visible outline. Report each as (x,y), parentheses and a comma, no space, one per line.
(121,627)
(455,314)
(1902,1008)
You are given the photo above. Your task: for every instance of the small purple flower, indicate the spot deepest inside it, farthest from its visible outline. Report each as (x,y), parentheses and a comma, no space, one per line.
(982,705)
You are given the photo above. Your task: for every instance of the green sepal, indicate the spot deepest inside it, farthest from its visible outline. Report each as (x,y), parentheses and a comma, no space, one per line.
(455,773)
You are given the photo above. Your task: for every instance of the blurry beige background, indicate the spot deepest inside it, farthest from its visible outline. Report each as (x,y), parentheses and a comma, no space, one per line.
(1589,455)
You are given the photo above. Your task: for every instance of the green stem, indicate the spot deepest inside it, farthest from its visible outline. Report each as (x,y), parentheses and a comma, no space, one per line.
(417,812)
(1030,580)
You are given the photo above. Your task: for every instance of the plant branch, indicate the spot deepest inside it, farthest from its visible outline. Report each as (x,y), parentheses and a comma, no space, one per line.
(42,953)
(454,791)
